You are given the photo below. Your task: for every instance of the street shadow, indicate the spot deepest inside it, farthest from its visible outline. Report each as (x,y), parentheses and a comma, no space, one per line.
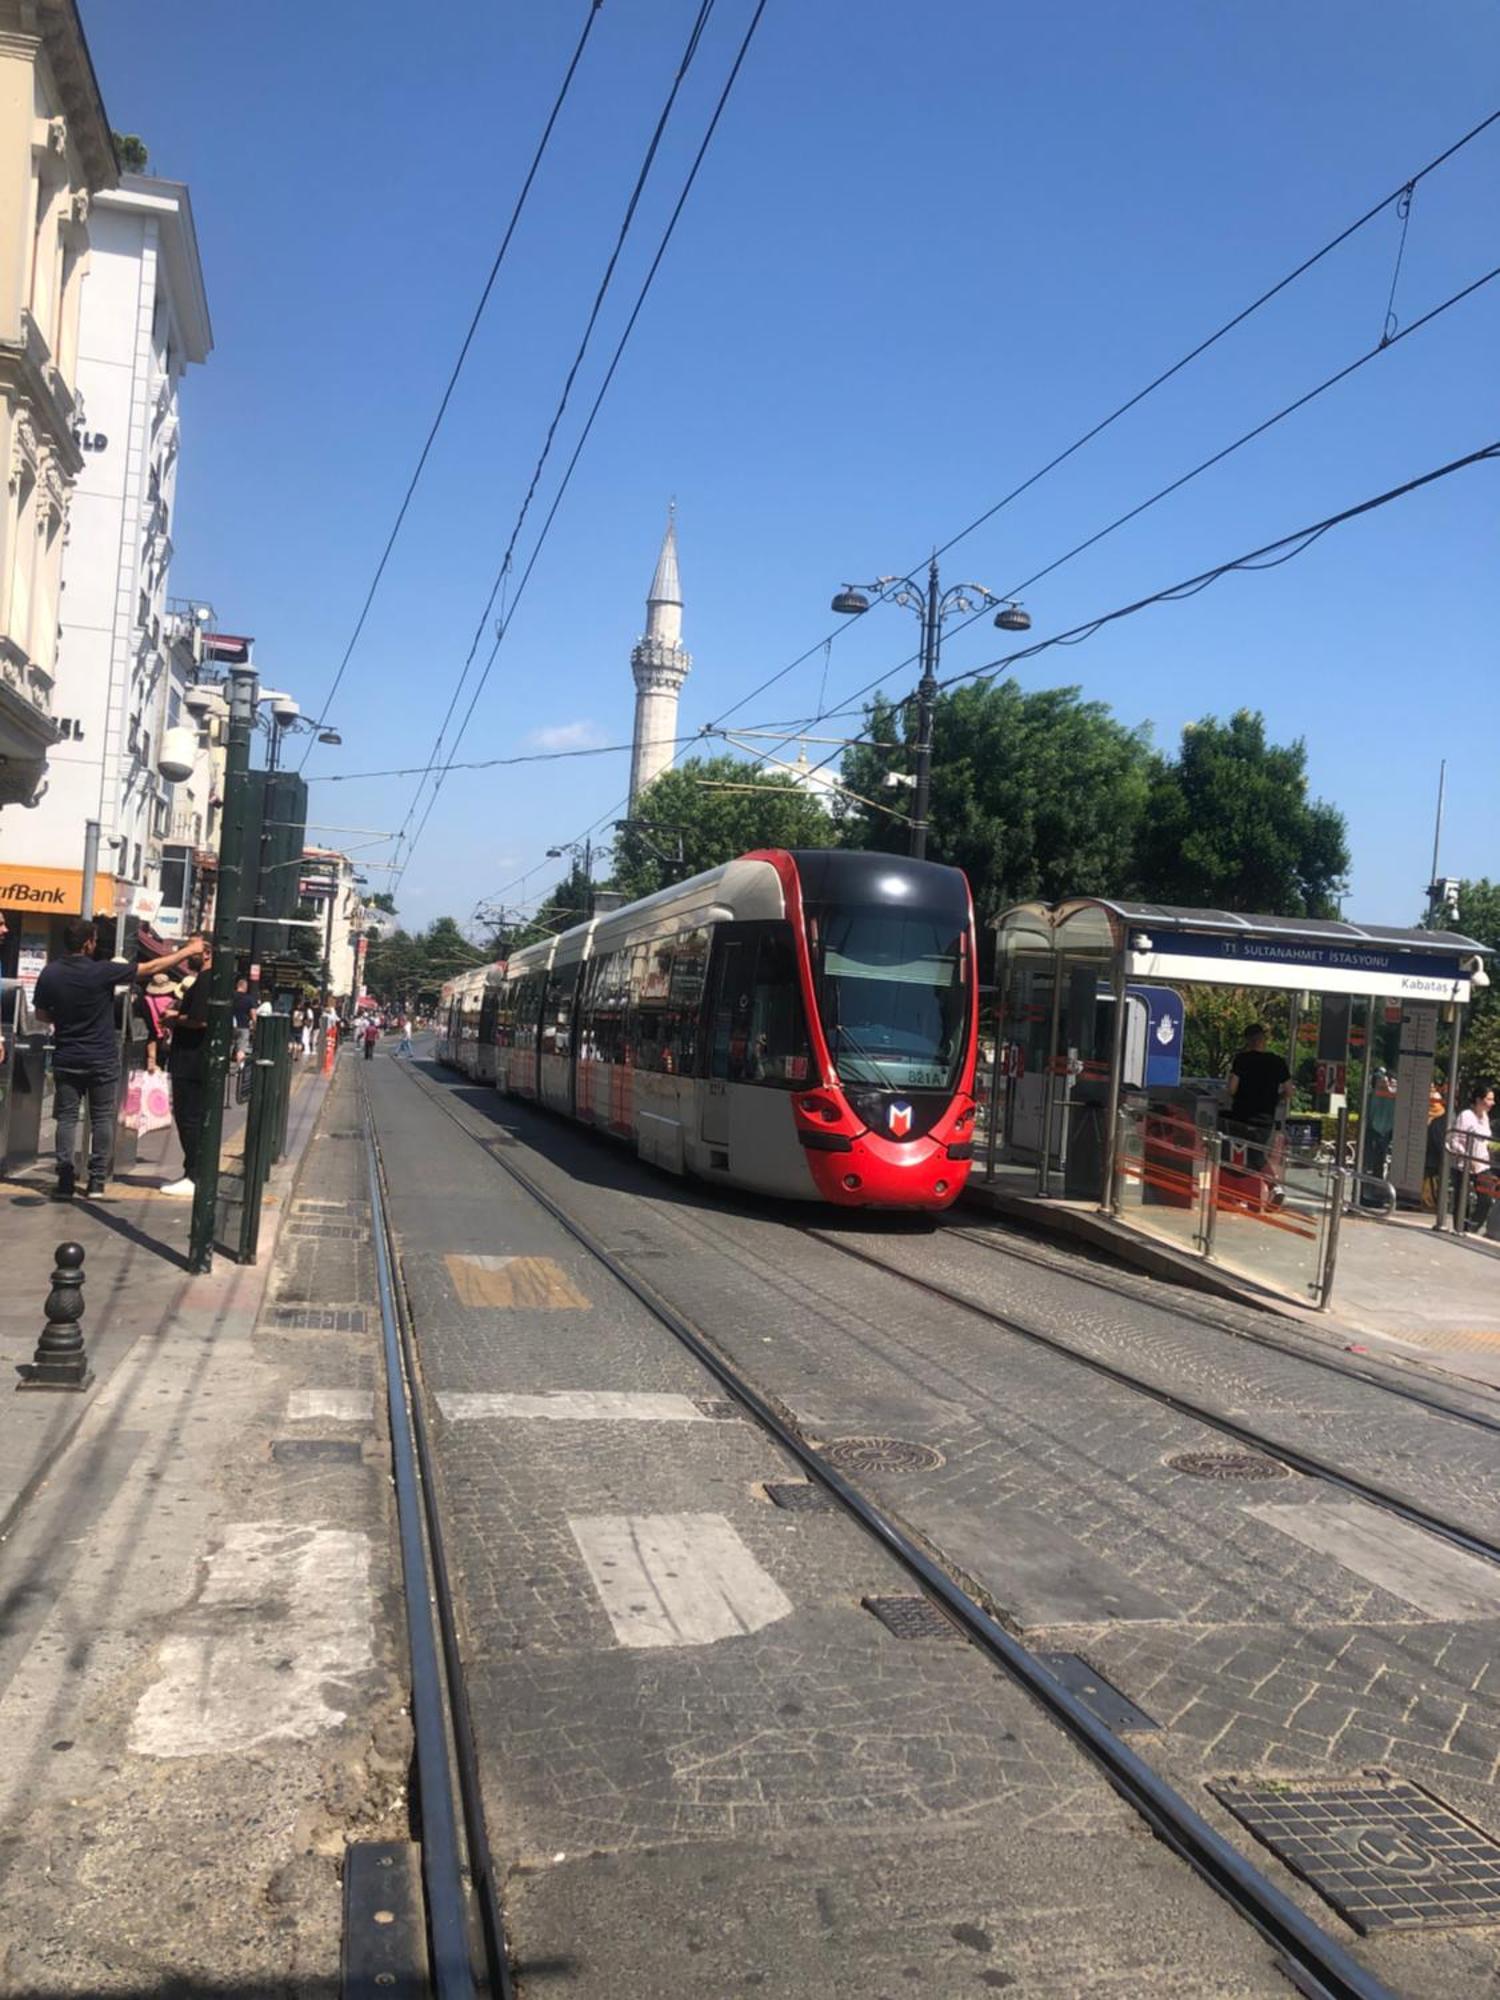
(111,1219)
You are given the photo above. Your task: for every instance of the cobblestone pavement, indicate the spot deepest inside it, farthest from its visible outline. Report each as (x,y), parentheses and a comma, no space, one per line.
(1255,1649)
(730,1777)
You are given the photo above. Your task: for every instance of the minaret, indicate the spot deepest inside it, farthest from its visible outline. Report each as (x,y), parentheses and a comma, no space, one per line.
(660,664)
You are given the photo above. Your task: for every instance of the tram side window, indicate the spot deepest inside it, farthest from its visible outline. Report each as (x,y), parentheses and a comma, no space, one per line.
(604,1014)
(685,1003)
(489,1009)
(557,1011)
(528,1001)
(758,1033)
(650,991)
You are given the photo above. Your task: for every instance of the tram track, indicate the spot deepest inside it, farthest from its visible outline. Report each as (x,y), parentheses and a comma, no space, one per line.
(1003,1243)
(1315,1962)
(458,1872)
(1308,1464)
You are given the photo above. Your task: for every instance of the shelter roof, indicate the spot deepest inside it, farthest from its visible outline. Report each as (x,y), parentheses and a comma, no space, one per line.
(1300,930)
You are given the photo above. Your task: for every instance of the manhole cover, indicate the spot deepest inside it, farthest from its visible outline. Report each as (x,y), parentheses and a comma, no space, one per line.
(1379,1849)
(1226,1465)
(321,1319)
(798,1497)
(911,1617)
(881,1455)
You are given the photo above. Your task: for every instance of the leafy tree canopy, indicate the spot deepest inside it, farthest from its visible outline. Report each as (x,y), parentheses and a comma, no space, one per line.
(1035,793)
(406,968)
(131,151)
(1229,826)
(713,824)
(1479,917)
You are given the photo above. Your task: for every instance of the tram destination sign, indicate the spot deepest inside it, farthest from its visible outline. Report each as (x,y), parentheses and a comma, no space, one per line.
(1372,970)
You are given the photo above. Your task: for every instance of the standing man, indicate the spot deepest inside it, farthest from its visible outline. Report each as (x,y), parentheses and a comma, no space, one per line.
(1259,1084)
(185,1064)
(76,995)
(403,1047)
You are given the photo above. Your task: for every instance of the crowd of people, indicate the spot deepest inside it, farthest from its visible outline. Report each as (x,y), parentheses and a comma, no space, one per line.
(75,997)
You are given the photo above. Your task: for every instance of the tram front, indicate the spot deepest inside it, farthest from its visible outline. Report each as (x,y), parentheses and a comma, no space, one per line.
(892,995)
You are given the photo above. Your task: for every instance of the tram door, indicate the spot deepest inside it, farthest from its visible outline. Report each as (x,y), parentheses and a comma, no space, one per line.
(728,1032)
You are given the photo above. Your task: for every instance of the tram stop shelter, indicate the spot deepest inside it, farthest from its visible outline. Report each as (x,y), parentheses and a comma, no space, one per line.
(1104,1010)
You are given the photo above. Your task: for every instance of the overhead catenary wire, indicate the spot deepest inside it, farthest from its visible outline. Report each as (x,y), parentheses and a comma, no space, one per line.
(1270,555)
(632,205)
(452,383)
(646,285)
(1399,195)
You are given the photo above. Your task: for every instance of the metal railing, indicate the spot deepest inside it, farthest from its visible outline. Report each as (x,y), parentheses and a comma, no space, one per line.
(1236,1198)
(270,1064)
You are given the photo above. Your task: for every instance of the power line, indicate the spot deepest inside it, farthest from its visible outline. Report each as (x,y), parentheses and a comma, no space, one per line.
(1397,195)
(643,174)
(463,354)
(641,297)
(1383,346)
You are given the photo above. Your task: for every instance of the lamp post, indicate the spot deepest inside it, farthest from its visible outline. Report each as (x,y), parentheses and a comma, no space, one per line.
(585,848)
(242,702)
(933,606)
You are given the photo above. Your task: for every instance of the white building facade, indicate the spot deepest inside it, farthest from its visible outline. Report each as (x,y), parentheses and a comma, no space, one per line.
(660,663)
(56,156)
(144,321)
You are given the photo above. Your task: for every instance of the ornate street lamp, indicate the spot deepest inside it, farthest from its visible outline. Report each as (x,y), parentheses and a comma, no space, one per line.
(933,607)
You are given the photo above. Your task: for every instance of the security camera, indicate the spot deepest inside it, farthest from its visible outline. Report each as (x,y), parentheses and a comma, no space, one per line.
(1478,977)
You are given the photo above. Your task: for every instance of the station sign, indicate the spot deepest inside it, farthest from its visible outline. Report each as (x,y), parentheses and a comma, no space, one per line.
(1278,963)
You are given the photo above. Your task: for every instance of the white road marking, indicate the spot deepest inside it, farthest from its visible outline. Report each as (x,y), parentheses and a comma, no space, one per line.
(573,1406)
(283,1618)
(676,1579)
(340,1406)
(1400,1558)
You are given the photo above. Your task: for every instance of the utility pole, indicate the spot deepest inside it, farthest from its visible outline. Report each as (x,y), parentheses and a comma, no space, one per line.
(242,700)
(926,703)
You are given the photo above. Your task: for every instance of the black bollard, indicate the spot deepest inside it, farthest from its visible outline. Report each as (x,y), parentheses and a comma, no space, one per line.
(61,1361)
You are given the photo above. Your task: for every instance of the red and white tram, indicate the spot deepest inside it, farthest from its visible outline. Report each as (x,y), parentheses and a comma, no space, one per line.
(801,1023)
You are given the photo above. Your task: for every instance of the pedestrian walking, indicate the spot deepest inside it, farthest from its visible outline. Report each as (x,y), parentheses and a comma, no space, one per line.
(1469,1144)
(243,1011)
(299,1033)
(372,1036)
(186,1062)
(76,996)
(403,1047)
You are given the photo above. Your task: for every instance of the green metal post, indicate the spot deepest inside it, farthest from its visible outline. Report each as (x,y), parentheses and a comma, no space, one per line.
(227,912)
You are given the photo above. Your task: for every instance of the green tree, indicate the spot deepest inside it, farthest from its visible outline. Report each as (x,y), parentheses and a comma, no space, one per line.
(131,152)
(403,968)
(1229,826)
(1479,918)
(381,900)
(716,808)
(1035,793)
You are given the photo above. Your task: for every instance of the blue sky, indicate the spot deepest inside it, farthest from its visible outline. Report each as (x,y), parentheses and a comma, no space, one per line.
(916,264)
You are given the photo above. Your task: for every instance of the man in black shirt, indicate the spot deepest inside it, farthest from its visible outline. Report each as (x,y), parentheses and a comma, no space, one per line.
(1259,1084)
(76,994)
(185,1054)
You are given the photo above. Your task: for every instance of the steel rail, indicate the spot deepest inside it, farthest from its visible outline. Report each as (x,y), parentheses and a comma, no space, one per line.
(465,1749)
(1184,1406)
(1318,1964)
(1001,1243)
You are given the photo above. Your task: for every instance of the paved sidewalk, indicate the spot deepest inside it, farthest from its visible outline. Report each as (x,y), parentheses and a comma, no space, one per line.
(135,1277)
(200,1687)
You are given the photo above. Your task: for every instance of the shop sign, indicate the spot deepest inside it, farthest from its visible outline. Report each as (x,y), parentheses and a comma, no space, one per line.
(51,891)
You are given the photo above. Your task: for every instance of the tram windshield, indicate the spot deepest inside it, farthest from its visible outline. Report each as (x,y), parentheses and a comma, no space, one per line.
(891,995)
